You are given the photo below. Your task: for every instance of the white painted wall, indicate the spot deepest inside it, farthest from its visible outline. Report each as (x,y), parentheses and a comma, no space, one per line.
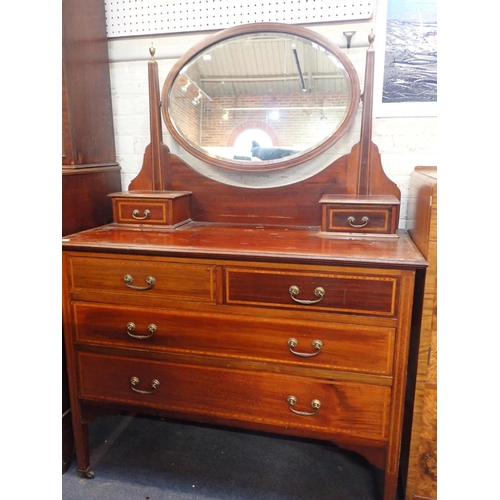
(404,142)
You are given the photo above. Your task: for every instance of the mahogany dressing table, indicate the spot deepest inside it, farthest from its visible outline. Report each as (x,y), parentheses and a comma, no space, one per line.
(283,308)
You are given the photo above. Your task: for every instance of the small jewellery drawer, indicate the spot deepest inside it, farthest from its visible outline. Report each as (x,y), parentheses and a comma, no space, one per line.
(340,292)
(139,280)
(360,214)
(166,208)
(344,347)
(251,396)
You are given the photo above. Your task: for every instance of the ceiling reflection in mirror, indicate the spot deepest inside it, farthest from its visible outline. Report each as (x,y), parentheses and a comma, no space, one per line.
(260,99)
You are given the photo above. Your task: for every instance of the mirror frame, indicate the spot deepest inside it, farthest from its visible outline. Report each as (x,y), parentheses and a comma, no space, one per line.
(266,165)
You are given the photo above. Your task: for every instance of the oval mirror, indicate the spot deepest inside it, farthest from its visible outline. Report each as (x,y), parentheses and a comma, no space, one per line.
(263,96)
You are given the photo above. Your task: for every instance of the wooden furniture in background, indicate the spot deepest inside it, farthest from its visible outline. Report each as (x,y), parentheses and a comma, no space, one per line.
(240,312)
(421,473)
(85,201)
(89,168)
(87,117)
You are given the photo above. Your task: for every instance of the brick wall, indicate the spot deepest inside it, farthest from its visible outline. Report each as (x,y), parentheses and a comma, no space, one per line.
(295,128)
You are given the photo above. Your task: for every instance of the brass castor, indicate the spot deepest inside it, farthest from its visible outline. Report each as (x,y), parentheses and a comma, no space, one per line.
(87,473)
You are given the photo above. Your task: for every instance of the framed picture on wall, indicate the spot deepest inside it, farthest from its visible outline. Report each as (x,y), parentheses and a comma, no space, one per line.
(406,58)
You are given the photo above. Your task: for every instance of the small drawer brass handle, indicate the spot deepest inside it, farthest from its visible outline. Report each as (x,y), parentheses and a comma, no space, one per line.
(318,291)
(135,214)
(129,279)
(135,381)
(364,222)
(131,328)
(315,403)
(317,344)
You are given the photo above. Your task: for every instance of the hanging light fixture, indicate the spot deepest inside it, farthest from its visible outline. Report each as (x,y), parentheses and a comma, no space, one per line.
(299,69)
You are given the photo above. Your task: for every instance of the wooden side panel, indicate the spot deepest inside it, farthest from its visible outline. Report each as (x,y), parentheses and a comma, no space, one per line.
(426,477)
(85,202)
(421,475)
(67,141)
(87,110)
(432,361)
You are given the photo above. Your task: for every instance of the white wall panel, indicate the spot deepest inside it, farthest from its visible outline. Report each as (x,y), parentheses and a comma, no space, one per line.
(148,17)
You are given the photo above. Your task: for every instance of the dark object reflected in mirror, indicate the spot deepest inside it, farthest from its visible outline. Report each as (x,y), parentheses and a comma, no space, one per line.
(260,97)
(270,153)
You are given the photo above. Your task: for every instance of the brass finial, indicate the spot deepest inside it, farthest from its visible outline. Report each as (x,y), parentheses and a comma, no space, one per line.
(371,38)
(152,51)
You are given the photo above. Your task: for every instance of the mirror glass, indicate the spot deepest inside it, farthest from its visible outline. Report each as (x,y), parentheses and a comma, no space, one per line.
(261,100)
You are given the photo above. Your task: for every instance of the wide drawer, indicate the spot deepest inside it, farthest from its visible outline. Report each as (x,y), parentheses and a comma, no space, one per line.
(143,279)
(346,347)
(344,407)
(340,292)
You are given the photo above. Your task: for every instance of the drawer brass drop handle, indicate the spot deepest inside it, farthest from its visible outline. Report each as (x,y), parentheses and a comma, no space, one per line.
(315,403)
(129,279)
(364,221)
(135,214)
(318,291)
(317,344)
(131,328)
(134,381)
